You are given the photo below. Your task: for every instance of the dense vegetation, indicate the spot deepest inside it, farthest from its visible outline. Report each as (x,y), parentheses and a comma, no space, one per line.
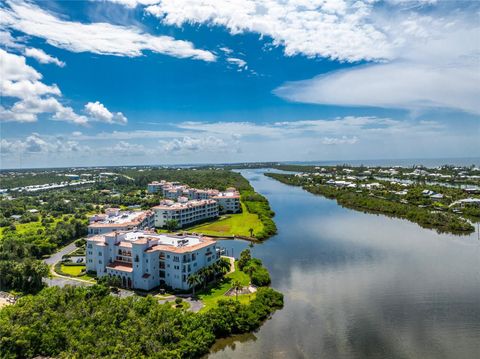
(258,204)
(80,322)
(19,271)
(415,210)
(258,274)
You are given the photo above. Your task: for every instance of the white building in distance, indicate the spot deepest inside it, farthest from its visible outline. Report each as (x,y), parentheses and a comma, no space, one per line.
(115,220)
(228,201)
(146,260)
(185,212)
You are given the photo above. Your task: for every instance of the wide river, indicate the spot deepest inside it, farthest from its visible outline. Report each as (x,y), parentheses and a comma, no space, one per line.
(360,285)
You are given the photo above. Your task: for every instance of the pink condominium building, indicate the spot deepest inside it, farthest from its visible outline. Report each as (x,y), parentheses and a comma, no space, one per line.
(146,260)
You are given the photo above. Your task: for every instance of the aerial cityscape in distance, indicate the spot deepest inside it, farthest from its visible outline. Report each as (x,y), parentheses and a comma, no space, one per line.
(241,178)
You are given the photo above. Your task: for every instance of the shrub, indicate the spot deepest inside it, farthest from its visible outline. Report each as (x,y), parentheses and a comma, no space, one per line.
(260,277)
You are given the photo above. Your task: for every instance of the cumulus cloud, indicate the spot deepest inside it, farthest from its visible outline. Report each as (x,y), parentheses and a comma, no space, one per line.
(190,144)
(22,82)
(42,57)
(38,144)
(98,38)
(98,112)
(337,29)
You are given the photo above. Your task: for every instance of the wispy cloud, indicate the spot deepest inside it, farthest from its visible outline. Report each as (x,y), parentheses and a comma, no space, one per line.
(42,57)
(435,65)
(98,38)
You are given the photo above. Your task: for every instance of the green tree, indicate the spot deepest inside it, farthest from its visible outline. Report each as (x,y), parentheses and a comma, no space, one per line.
(245,256)
(171,225)
(193,280)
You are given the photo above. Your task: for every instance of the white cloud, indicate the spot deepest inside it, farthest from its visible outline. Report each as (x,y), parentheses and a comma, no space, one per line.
(38,144)
(344,140)
(337,29)
(226,50)
(21,81)
(396,85)
(436,65)
(99,38)
(124,148)
(132,3)
(241,64)
(43,57)
(8,41)
(190,144)
(99,112)
(27,110)
(14,68)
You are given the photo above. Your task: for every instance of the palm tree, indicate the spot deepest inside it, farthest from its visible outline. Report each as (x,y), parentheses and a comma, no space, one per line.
(216,269)
(237,286)
(209,271)
(224,266)
(193,280)
(249,270)
(251,232)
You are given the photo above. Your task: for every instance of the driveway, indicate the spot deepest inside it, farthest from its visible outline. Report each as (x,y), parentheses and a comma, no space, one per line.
(56,257)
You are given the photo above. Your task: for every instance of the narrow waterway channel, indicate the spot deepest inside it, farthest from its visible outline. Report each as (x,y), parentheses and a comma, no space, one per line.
(360,285)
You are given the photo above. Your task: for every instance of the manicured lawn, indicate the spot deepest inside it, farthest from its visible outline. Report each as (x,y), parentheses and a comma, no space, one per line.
(216,292)
(234,224)
(72,270)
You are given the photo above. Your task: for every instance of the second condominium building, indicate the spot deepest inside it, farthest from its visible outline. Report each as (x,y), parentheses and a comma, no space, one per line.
(184,212)
(228,201)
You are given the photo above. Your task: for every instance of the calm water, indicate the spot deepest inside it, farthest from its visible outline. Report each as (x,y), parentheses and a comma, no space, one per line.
(360,286)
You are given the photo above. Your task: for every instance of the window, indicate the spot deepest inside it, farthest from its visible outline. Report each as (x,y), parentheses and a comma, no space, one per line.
(100,254)
(99,261)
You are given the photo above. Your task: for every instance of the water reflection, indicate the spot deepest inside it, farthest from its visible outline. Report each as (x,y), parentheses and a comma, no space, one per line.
(362,286)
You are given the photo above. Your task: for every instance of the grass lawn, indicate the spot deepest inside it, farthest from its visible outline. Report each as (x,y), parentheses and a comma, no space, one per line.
(72,270)
(213,293)
(31,227)
(234,224)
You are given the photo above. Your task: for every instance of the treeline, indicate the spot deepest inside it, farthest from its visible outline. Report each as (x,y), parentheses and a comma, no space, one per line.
(258,204)
(22,179)
(441,221)
(198,178)
(88,322)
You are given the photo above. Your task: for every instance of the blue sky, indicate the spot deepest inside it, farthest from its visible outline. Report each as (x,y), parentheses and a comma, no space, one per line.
(180,81)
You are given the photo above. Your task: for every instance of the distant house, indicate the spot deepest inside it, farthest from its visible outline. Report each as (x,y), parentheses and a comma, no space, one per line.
(436,196)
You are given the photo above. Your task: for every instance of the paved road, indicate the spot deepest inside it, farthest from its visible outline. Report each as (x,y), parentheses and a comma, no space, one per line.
(58,256)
